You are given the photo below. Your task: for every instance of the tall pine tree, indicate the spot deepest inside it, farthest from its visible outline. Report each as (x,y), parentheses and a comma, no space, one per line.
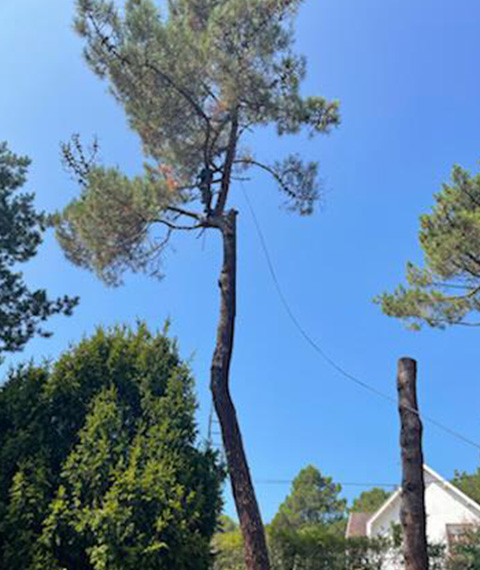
(194,77)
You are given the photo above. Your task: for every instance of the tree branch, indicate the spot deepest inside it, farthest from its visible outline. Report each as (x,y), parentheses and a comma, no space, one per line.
(266,168)
(112,49)
(227,167)
(184,212)
(468,295)
(173,226)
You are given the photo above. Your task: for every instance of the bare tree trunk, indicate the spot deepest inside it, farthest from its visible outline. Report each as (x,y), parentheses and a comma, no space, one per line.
(412,513)
(256,554)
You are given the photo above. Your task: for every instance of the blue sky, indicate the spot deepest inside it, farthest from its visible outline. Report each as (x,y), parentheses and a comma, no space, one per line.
(406,75)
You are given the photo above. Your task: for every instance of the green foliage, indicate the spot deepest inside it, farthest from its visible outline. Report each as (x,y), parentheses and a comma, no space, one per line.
(465,554)
(394,545)
(315,541)
(98,464)
(313,500)
(308,532)
(469,483)
(318,548)
(22,312)
(370,501)
(107,228)
(447,289)
(312,546)
(227,546)
(193,77)
(226,524)
(315,547)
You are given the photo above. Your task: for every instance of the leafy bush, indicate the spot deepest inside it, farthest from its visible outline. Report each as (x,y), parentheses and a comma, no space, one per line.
(99,468)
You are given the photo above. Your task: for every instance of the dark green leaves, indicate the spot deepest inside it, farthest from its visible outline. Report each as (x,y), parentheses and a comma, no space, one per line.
(99,466)
(22,312)
(370,501)
(313,500)
(468,483)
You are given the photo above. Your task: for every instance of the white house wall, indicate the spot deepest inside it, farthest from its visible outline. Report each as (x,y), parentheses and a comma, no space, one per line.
(382,526)
(443,507)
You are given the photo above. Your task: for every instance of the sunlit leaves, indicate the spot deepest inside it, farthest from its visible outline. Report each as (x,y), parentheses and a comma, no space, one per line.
(99,466)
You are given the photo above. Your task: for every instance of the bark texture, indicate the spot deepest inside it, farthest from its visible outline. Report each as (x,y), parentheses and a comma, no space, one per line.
(256,554)
(412,512)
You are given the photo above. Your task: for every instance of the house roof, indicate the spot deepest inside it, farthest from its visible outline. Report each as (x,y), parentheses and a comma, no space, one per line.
(386,505)
(453,489)
(357,524)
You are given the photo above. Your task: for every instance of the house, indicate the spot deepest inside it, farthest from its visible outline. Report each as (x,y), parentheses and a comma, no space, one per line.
(449,513)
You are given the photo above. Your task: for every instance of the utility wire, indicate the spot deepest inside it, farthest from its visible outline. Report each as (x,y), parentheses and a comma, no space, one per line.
(344,484)
(347,375)
(211,433)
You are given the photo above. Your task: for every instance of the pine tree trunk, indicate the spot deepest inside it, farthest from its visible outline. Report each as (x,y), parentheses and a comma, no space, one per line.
(256,554)
(412,512)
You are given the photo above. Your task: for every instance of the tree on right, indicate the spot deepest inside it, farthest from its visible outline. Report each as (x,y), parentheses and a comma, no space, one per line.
(446,290)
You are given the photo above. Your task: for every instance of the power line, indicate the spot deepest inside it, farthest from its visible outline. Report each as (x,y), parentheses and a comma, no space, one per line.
(347,375)
(211,433)
(344,484)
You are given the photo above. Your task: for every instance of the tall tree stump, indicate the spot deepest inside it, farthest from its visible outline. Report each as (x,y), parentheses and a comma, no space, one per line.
(412,512)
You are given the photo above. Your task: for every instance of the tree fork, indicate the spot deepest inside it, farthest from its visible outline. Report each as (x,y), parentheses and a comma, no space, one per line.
(256,553)
(412,512)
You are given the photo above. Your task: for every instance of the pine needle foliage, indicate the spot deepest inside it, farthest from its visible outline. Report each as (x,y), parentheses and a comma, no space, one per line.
(370,501)
(446,291)
(313,500)
(194,77)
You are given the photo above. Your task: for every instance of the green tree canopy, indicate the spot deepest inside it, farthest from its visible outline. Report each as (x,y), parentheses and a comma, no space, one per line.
(194,78)
(469,483)
(314,499)
(99,468)
(446,291)
(318,548)
(22,311)
(369,501)
(227,546)
(226,524)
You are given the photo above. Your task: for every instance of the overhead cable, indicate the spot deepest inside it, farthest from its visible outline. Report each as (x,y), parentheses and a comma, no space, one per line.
(321,352)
